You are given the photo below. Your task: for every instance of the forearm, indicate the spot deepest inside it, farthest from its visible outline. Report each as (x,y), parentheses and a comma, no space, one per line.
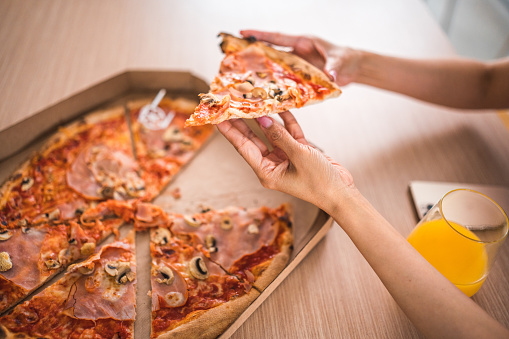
(434,305)
(456,83)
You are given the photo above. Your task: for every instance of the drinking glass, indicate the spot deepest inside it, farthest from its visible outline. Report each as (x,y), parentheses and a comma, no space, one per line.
(460,236)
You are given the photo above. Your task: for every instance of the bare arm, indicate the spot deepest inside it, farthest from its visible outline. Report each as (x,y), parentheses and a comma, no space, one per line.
(459,83)
(434,305)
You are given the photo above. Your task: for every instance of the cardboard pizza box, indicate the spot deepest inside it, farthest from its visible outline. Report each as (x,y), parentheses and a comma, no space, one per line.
(217,177)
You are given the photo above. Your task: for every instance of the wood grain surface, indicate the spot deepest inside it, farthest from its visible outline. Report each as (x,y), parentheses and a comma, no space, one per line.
(53,49)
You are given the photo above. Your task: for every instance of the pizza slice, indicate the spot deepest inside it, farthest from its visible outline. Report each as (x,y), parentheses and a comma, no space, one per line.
(252,244)
(94,299)
(192,297)
(162,153)
(87,161)
(30,256)
(255,80)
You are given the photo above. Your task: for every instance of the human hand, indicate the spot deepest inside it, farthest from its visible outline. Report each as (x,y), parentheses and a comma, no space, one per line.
(341,64)
(293,166)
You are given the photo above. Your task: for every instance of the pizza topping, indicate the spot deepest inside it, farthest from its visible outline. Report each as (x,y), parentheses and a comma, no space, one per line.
(259,92)
(87,249)
(5,235)
(167,275)
(52,264)
(253,229)
(168,292)
(209,99)
(198,268)
(175,299)
(210,242)
(54,214)
(27,183)
(5,262)
(100,172)
(87,268)
(173,134)
(226,223)
(161,236)
(191,221)
(121,270)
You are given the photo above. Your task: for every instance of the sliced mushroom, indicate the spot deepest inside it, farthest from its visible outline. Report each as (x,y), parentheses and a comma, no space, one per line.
(26,183)
(87,269)
(198,268)
(210,242)
(175,299)
(54,215)
(87,249)
(107,191)
(244,87)
(112,267)
(209,99)
(191,221)
(5,235)
(253,229)
(261,75)
(73,241)
(259,92)
(52,264)
(22,222)
(5,262)
(167,275)
(226,223)
(125,274)
(64,256)
(161,236)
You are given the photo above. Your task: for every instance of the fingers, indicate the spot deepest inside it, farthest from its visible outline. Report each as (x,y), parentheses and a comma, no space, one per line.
(293,127)
(246,147)
(244,129)
(273,38)
(279,136)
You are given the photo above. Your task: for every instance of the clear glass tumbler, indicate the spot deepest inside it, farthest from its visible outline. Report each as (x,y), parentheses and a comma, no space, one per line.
(460,236)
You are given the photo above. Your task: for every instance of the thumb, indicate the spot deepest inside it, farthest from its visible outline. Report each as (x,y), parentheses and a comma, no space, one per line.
(278,136)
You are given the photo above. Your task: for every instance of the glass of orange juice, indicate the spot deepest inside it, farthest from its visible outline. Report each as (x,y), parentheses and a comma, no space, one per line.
(460,236)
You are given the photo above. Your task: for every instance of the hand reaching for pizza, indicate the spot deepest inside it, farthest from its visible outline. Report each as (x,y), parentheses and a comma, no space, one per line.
(293,166)
(341,64)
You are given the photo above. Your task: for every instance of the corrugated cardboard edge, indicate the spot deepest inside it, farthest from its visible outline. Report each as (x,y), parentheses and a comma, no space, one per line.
(321,225)
(39,124)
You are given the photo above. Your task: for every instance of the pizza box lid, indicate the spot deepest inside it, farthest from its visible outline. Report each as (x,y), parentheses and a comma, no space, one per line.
(217,177)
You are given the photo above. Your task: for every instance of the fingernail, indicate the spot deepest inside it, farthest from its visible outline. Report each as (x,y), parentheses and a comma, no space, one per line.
(333,74)
(266,122)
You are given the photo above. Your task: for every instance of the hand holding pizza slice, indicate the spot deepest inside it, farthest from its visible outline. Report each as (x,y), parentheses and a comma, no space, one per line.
(255,80)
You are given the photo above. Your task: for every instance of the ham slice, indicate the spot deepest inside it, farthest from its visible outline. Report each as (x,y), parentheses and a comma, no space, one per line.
(251,229)
(168,295)
(101,172)
(96,295)
(23,249)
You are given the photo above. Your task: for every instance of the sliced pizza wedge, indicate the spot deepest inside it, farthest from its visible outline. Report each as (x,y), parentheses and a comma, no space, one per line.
(30,256)
(94,299)
(161,153)
(253,244)
(192,297)
(255,80)
(87,161)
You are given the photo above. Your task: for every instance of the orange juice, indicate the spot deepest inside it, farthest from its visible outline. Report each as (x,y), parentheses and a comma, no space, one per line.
(456,253)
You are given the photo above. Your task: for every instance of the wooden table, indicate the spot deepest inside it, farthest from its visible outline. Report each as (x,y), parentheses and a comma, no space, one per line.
(53,49)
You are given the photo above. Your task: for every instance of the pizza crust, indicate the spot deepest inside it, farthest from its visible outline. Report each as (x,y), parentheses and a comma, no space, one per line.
(211,323)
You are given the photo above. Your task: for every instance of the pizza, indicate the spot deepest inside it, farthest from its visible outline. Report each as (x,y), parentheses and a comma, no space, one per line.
(94,299)
(255,80)
(48,208)
(161,153)
(96,175)
(207,268)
